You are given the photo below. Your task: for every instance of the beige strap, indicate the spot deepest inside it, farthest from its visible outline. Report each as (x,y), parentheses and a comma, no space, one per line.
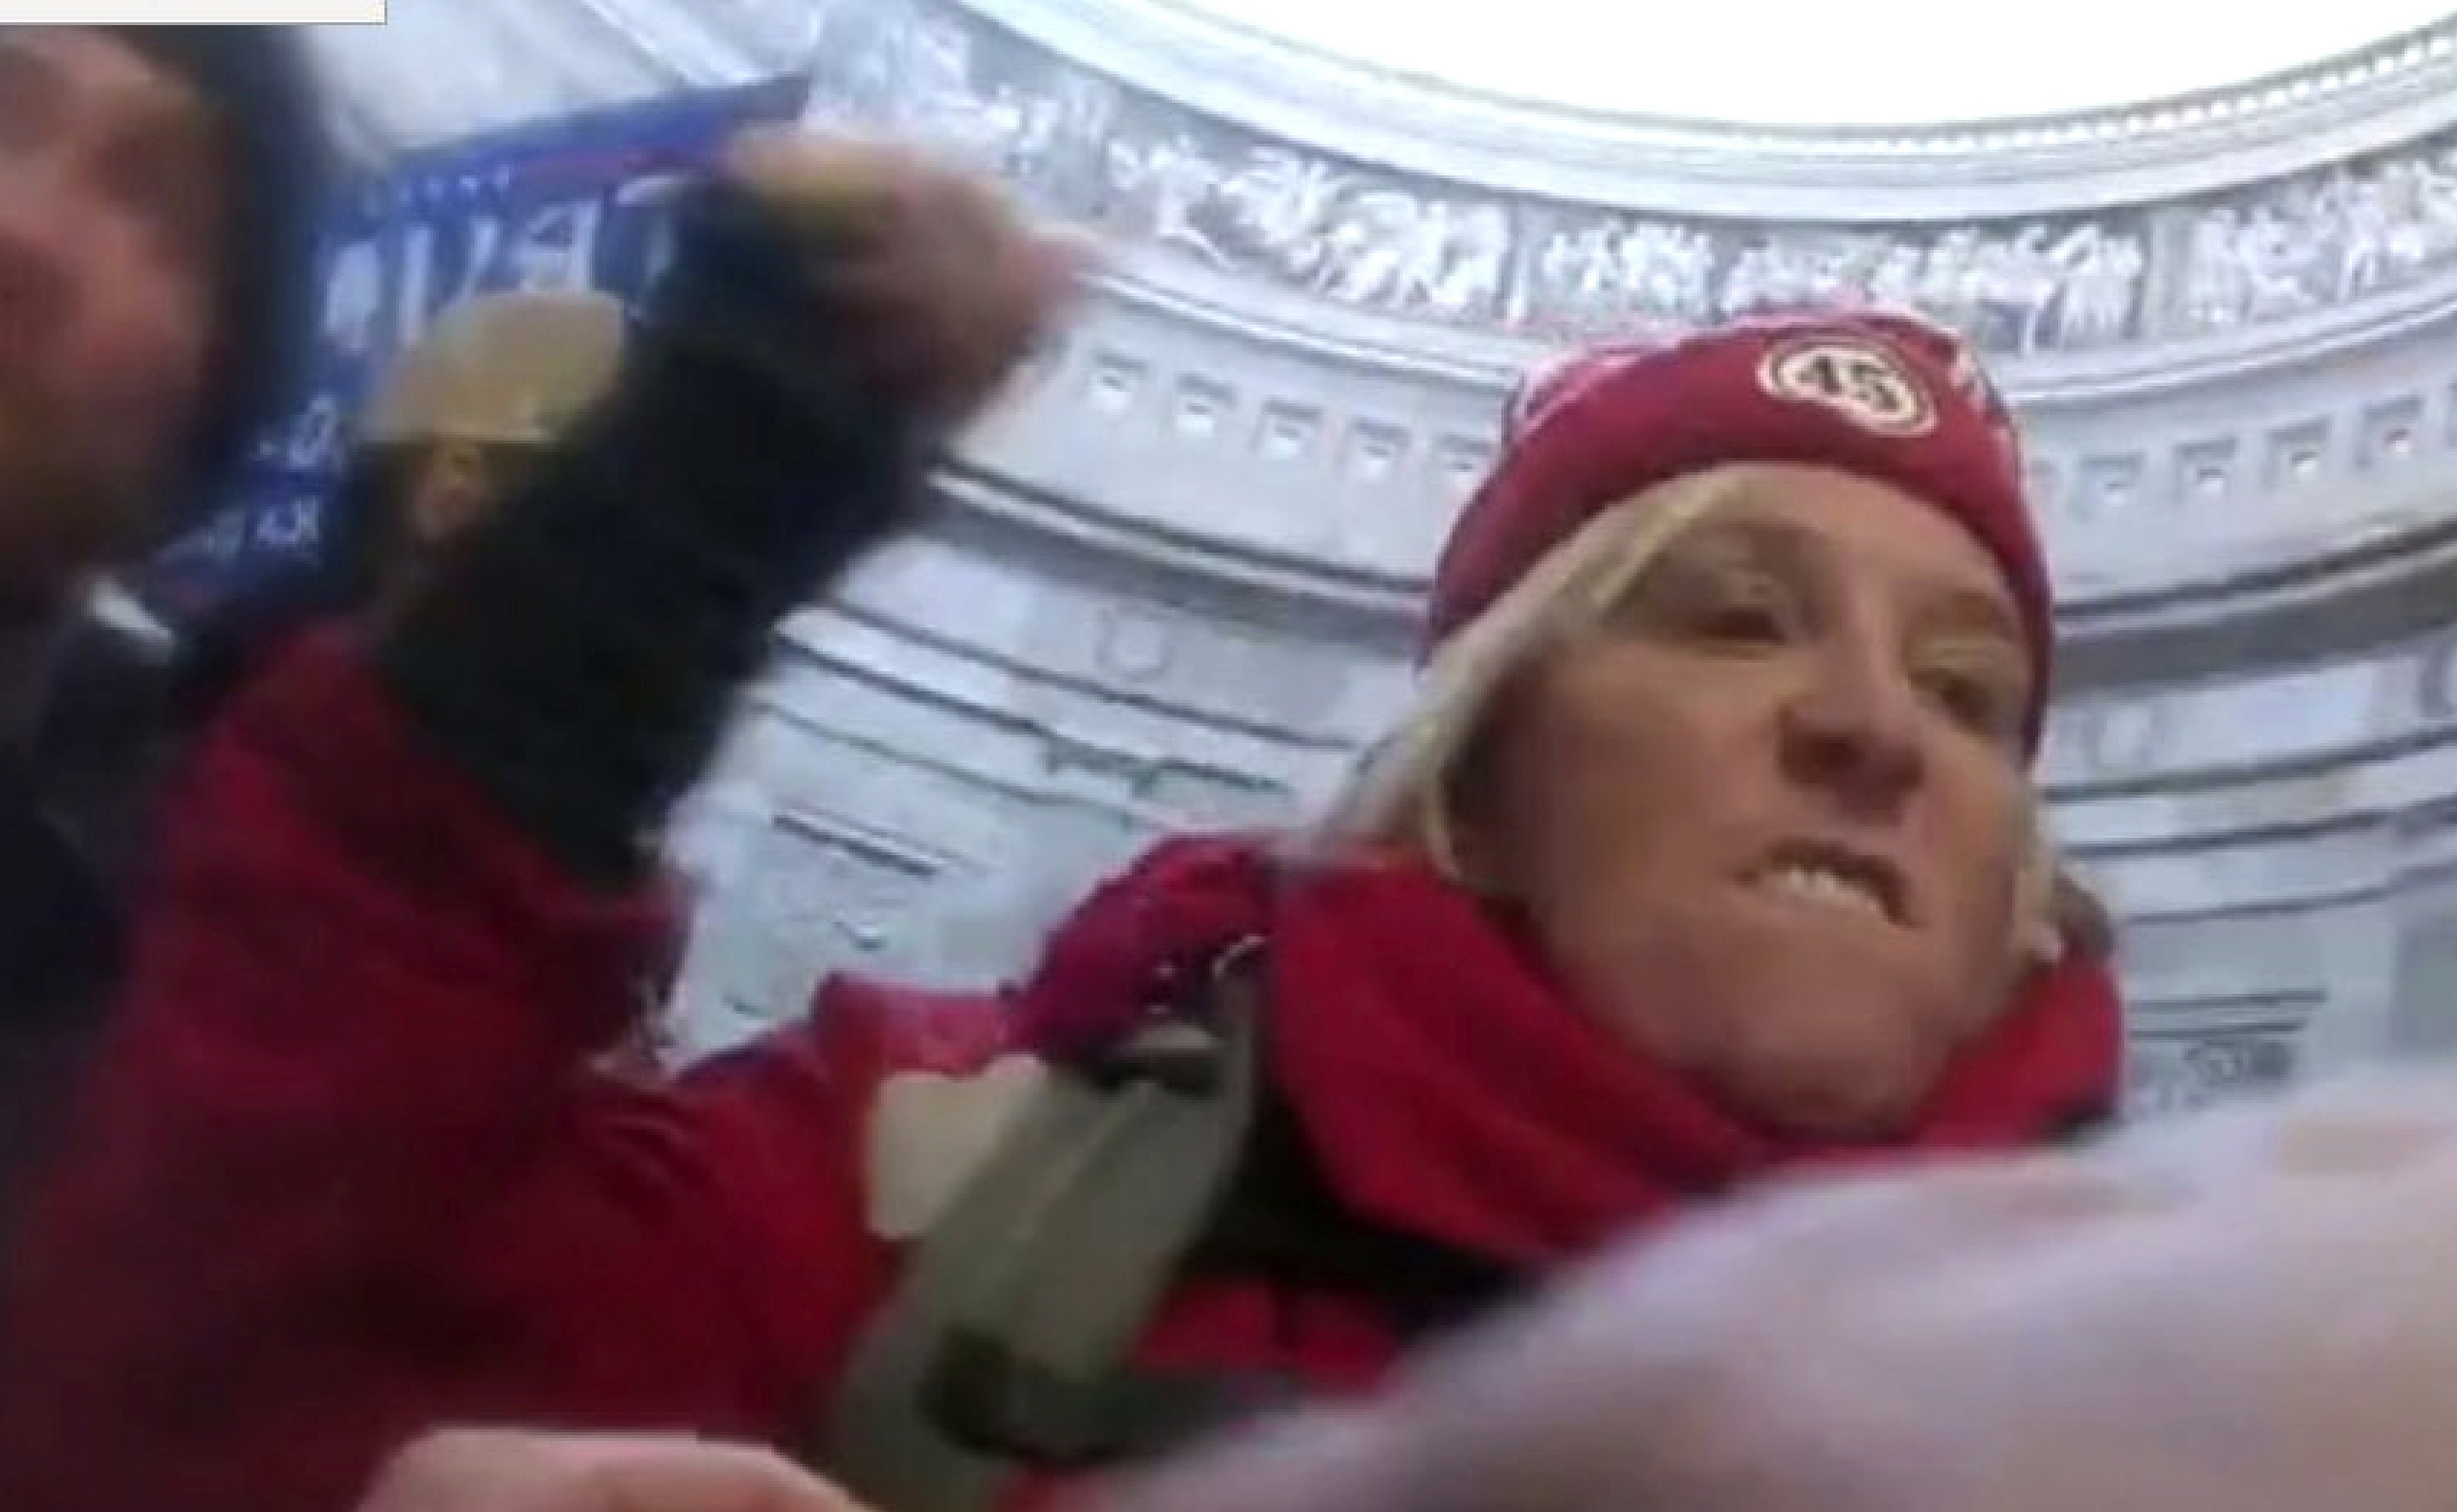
(1058,1252)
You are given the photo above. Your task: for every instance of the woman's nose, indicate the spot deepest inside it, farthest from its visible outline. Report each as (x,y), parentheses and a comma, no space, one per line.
(1854,728)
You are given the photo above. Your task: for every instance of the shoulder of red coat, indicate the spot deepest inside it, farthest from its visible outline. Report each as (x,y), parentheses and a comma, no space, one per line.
(862,1021)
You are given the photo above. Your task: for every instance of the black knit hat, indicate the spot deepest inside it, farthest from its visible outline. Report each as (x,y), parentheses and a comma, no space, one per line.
(280,169)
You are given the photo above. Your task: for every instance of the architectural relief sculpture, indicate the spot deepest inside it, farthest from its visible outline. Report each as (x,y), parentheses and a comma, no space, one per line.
(2115,739)
(2435,682)
(2320,240)
(1618,274)
(2179,1074)
(809,902)
(1085,147)
(1131,645)
(2037,288)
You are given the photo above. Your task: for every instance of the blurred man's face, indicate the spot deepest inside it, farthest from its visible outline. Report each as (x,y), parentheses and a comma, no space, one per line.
(109,204)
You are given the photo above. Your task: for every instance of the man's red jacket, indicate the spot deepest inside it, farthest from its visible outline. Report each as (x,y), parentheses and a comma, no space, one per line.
(326,1196)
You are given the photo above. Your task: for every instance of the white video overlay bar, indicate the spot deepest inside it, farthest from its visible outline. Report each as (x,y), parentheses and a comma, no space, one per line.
(192,13)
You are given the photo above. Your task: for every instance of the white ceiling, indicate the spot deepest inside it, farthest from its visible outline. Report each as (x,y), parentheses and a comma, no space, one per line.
(442,68)
(1832,62)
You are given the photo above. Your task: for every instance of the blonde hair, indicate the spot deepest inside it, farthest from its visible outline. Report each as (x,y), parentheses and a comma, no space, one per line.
(1401,796)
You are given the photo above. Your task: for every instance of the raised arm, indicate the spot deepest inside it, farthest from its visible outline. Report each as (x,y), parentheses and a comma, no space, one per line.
(341,1170)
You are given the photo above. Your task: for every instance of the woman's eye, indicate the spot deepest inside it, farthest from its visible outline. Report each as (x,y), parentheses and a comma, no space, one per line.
(1741,622)
(1979,701)
(1740,609)
(1714,605)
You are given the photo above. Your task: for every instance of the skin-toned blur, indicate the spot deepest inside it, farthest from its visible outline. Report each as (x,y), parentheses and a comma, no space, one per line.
(108,205)
(1825,677)
(2241,1312)
(482,1470)
(2245,1313)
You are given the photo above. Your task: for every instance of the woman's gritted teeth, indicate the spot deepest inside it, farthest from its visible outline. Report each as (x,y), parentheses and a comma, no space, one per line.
(1825,874)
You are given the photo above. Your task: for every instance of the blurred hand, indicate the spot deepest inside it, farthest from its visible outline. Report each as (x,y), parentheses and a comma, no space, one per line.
(2245,1313)
(497,1471)
(946,286)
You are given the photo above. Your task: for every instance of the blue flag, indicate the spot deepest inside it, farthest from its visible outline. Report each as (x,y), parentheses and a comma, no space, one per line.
(580,202)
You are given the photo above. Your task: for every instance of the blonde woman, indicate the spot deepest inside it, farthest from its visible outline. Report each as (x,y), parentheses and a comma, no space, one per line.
(1710,854)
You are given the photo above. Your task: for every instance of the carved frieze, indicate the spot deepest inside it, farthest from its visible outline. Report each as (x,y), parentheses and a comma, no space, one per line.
(2177,1072)
(1094,150)
(815,897)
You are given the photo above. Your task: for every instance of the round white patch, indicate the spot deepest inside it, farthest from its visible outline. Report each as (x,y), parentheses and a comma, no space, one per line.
(1860,381)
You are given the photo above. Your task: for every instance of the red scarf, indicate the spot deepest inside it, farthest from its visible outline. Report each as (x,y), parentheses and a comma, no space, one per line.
(1449,1088)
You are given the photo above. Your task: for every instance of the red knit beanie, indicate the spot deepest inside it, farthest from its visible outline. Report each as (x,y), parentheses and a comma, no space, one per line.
(1889,397)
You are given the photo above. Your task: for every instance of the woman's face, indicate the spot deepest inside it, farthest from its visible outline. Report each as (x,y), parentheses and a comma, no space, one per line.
(1769,817)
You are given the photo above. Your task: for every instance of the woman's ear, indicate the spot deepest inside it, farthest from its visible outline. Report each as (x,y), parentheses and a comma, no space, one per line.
(1455,844)
(2055,915)
(2082,920)
(2038,938)
(1462,823)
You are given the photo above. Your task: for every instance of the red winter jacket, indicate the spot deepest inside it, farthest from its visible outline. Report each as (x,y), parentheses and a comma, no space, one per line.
(350,1167)
(360,1183)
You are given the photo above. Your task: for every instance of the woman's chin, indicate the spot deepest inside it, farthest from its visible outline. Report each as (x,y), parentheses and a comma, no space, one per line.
(1840,1047)
(1829,1089)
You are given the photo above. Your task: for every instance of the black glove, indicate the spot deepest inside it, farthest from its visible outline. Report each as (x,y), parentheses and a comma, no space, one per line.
(578,652)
